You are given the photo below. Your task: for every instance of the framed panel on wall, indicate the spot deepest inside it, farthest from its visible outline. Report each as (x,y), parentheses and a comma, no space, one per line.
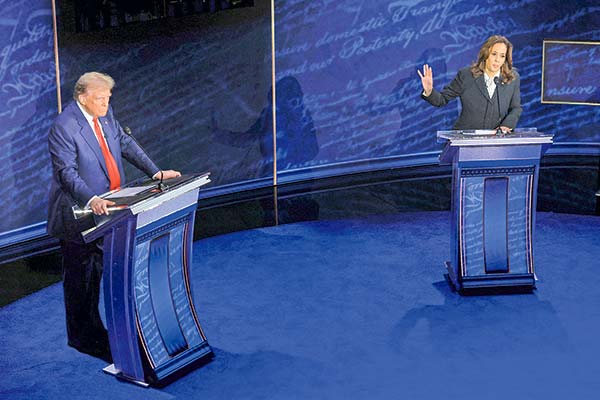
(570,71)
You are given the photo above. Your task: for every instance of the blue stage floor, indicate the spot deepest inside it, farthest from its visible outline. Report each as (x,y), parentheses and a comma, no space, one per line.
(349,309)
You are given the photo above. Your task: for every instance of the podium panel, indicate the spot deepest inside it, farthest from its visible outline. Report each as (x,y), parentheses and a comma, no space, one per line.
(494,184)
(495,230)
(152,324)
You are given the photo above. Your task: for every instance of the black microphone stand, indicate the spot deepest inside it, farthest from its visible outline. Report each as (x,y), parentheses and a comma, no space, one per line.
(160,186)
(498,82)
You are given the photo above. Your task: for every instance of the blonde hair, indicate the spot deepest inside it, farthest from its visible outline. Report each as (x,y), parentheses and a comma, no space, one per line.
(506,70)
(90,78)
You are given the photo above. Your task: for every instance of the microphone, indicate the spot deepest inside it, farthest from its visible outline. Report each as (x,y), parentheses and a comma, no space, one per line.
(160,186)
(498,81)
(128,132)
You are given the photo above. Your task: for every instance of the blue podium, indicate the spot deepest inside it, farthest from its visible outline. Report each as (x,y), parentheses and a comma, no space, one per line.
(494,186)
(152,324)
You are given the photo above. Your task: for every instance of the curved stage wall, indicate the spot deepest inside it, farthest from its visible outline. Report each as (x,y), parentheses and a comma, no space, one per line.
(196,90)
(28,105)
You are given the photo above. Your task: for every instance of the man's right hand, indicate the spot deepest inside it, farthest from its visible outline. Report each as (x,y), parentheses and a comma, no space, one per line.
(100,206)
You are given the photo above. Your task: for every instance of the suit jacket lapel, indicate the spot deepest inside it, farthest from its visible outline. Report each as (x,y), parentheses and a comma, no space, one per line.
(109,135)
(480,82)
(500,92)
(90,137)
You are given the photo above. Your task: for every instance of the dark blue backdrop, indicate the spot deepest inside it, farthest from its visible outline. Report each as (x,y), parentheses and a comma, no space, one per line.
(28,104)
(356,62)
(196,91)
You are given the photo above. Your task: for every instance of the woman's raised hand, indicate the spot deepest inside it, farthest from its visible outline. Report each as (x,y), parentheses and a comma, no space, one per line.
(426,79)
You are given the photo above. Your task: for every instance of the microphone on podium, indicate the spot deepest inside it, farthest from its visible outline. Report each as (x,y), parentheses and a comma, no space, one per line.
(498,81)
(127,130)
(160,186)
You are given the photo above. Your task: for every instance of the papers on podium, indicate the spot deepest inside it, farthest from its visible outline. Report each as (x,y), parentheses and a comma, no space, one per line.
(126,192)
(479,132)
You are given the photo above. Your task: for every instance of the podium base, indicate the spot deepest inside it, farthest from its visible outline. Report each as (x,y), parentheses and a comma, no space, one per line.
(452,278)
(111,370)
(491,283)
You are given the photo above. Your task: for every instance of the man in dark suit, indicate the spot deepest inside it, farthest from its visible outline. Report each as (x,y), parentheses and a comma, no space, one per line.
(489,89)
(86,145)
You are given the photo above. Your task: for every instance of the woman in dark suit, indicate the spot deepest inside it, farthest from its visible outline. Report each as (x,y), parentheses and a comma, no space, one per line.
(489,89)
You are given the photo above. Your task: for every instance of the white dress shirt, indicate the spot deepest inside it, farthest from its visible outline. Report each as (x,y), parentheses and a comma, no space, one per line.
(490,84)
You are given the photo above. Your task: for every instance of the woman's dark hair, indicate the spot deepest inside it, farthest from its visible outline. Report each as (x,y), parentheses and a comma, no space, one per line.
(506,70)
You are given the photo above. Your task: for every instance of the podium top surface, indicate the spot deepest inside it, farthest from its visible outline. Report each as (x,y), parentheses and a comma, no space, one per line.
(520,136)
(145,197)
(139,196)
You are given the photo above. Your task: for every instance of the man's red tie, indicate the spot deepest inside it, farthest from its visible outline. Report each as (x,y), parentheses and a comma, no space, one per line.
(111,165)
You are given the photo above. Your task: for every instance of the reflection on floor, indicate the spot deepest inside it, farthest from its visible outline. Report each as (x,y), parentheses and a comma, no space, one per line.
(22,277)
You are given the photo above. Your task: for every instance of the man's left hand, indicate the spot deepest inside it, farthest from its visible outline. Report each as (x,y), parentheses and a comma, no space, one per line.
(167,174)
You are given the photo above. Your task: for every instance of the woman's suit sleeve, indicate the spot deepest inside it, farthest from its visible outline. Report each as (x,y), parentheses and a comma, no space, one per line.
(453,90)
(514,108)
